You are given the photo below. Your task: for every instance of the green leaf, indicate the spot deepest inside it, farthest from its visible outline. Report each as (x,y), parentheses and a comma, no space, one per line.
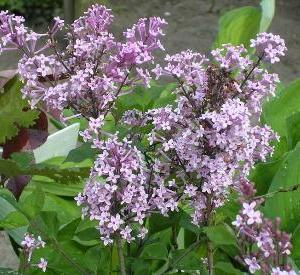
(87,237)
(50,186)
(144,99)
(185,259)
(14,111)
(68,230)
(159,222)
(98,259)
(283,105)
(66,209)
(154,251)
(63,258)
(221,235)
(14,220)
(286,204)
(8,205)
(293,130)
(33,203)
(263,174)
(58,144)
(46,222)
(226,268)
(238,26)
(268,11)
(82,156)
(62,173)
(296,246)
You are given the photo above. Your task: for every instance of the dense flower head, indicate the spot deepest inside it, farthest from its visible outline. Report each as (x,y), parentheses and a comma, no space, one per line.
(119,194)
(213,132)
(94,68)
(269,46)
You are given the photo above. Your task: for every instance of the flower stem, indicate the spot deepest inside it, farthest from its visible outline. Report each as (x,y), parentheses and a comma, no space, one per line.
(210,252)
(210,258)
(121,256)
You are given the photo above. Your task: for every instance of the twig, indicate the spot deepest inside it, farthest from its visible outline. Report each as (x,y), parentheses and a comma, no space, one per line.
(210,255)
(280,190)
(251,71)
(121,256)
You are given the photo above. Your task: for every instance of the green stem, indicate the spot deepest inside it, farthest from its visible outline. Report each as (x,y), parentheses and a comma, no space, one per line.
(121,256)
(210,252)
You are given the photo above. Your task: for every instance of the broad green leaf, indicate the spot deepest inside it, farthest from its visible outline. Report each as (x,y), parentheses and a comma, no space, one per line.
(268,11)
(88,237)
(82,156)
(293,130)
(62,173)
(154,251)
(50,186)
(221,234)
(58,144)
(159,223)
(286,204)
(68,230)
(14,111)
(186,259)
(47,223)
(296,246)
(31,204)
(63,258)
(144,99)
(263,174)
(98,259)
(13,220)
(66,209)
(228,211)
(238,26)
(226,268)
(283,105)
(8,205)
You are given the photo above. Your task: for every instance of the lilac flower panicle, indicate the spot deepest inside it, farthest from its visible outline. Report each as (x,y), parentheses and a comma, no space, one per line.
(270,46)
(93,70)
(30,243)
(272,244)
(117,193)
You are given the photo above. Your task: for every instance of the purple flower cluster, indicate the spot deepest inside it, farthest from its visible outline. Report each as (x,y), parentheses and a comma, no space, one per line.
(121,192)
(93,70)
(273,245)
(30,243)
(269,46)
(213,134)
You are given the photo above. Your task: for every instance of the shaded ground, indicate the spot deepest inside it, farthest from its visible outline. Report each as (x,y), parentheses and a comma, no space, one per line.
(191,25)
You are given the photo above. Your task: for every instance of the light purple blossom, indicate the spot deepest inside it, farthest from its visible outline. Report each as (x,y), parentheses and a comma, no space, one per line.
(252,264)
(270,46)
(42,264)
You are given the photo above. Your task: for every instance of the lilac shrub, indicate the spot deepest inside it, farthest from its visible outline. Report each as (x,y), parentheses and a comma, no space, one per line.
(200,148)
